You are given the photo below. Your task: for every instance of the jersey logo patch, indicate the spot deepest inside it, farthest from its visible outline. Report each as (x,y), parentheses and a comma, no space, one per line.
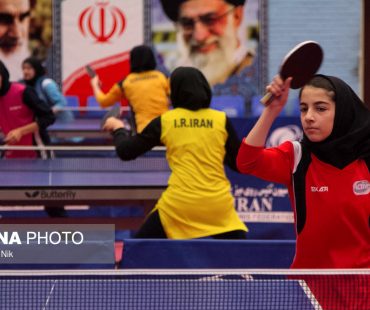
(361,187)
(317,189)
(15,108)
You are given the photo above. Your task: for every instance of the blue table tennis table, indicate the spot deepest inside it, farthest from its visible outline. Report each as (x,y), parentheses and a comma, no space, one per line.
(88,127)
(80,127)
(120,290)
(100,181)
(82,180)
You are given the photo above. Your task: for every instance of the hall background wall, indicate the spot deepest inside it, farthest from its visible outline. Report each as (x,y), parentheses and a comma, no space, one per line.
(335,24)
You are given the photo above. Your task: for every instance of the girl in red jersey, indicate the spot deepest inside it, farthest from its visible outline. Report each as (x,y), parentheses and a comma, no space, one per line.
(22,115)
(327,173)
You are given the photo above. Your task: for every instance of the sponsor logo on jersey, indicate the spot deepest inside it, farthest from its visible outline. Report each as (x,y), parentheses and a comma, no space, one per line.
(361,187)
(319,189)
(15,108)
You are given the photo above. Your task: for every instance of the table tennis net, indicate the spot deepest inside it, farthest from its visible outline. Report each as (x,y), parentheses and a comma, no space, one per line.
(186,289)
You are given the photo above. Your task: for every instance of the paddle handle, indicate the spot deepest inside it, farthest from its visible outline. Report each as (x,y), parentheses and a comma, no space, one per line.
(266,99)
(90,71)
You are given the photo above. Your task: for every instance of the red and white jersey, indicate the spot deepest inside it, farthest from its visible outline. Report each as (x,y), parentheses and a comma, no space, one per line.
(331,205)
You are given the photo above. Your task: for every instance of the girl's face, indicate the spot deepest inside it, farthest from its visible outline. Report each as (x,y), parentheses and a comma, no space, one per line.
(28,71)
(317,113)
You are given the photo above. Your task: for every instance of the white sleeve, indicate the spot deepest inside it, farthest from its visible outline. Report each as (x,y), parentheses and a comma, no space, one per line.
(297,154)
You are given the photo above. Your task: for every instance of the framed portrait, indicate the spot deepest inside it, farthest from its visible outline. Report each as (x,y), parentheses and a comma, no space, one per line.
(226,40)
(41,28)
(25,30)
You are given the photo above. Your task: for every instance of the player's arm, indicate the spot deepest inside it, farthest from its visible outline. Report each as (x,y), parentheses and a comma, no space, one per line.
(115,94)
(280,90)
(271,164)
(53,93)
(231,146)
(16,134)
(44,116)
(129,147)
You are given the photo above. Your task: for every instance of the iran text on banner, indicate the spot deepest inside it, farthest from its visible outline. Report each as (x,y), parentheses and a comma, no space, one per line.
(101,34)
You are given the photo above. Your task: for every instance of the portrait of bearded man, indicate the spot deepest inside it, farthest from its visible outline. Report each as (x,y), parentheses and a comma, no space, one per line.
(211,36)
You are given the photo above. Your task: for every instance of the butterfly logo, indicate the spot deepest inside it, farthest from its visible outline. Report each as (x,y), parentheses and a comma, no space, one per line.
(32,194)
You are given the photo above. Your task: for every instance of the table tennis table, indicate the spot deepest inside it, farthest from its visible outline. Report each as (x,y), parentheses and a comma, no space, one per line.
(83,128)
(81,181)
(80,127)
(122,290)
(89,127)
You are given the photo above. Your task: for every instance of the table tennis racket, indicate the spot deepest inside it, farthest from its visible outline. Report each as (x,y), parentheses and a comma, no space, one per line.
(300,63)
(114,112)
(90,71)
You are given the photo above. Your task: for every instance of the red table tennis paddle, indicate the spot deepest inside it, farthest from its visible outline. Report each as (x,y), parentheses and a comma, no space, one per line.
(301,63)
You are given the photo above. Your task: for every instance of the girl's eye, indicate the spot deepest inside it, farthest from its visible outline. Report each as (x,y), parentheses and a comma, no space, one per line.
(321,109)
(302,109)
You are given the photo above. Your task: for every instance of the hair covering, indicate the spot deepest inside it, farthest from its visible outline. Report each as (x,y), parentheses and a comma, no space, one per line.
(5,83)
(36,64)
(350,137)
(142,59)
(189,89)
(171,7)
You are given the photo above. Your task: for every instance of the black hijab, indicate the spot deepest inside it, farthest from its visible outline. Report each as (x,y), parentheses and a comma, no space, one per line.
(5,83)
(142,59)
(37,66)
(350,138)
(189,89)
(172,7)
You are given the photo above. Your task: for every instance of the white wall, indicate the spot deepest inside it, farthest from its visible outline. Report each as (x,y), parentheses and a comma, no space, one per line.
(335,24)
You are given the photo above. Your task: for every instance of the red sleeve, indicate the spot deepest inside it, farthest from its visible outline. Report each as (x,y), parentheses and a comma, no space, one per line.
(271,164)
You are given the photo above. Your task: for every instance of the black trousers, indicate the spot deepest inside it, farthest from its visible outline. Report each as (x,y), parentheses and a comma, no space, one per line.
(56,211)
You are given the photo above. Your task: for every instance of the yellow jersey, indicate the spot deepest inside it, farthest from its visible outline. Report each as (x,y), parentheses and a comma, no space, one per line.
(147,93)
(198,201)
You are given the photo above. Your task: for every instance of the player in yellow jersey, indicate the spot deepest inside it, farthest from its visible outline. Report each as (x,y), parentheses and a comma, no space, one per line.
(145,88)
(197,202)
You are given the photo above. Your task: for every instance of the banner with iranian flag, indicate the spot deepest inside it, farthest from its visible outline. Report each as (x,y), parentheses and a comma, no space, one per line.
(98,33)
